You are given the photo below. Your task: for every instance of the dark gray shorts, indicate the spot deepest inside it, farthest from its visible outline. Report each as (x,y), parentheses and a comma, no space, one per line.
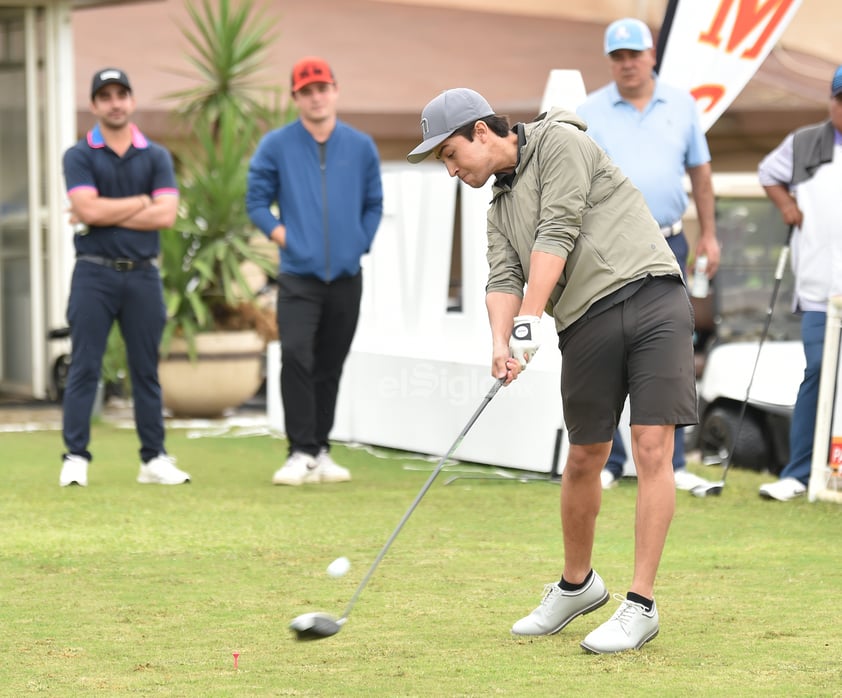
(641,348)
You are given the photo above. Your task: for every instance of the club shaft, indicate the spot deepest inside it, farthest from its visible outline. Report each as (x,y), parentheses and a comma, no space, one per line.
(491,393)
(779,275)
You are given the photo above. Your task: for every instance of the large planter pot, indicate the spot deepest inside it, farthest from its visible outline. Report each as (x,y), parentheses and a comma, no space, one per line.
(227,372)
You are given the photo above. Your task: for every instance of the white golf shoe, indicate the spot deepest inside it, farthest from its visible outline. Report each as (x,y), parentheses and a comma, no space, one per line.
(783,490)
(329,470)
(631,627)
(299,468)
(74,471)
(685,480)
(161,470)
(607,479)
(559,607)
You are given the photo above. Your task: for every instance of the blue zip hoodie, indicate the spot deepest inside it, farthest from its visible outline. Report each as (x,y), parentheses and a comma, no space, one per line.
(329,197)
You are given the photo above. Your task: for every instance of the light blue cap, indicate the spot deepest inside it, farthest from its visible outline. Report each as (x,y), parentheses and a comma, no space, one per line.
(627,33)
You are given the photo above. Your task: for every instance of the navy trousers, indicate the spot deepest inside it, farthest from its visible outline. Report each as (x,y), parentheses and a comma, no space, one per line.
(316,324)
(100,295)
(803,426)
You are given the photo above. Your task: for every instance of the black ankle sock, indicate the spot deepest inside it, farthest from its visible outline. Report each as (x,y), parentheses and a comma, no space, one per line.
(642,600)
(567,586)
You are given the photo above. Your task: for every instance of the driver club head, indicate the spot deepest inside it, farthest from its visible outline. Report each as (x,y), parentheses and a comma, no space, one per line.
(710,489)
(315,626)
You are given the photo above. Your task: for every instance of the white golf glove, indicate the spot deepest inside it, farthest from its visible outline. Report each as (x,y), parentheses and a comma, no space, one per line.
(524,341)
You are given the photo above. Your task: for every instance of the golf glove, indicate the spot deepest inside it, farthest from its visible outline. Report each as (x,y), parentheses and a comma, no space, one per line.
(524,341)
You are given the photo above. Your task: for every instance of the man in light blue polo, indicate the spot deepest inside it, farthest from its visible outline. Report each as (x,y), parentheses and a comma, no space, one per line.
(652,131)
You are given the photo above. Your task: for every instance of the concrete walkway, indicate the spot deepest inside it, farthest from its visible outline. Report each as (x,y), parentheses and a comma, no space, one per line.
(18,414)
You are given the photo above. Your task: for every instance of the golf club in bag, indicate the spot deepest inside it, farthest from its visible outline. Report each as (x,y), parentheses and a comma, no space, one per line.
(715,488)
(315,626)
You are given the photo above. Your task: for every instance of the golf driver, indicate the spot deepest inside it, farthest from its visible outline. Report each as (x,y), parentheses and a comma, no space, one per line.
(315,626)
(714,489)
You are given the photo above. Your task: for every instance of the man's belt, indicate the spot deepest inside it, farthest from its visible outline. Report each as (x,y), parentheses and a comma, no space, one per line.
(118,264)
(669,230)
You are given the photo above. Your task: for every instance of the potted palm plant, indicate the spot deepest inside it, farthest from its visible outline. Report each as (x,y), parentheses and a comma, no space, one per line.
(212,255)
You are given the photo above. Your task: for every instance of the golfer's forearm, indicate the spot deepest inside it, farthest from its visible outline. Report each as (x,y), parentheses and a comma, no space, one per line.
(545,269)
(502,308)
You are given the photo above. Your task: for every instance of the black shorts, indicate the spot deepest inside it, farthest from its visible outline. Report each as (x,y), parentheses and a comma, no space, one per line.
(641,347)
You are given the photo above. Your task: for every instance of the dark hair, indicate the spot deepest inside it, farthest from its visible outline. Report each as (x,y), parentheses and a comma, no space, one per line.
(498,124)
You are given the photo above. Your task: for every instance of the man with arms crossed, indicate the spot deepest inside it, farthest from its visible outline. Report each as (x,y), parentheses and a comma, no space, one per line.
(122,191)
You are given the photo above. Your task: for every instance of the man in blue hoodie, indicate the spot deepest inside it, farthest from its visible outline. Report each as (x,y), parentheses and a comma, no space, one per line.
(324,178)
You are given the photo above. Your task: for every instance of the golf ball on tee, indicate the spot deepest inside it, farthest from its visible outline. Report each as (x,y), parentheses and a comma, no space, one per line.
(339,567)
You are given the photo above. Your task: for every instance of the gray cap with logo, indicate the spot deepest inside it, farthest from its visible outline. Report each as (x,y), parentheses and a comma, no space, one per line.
(443,115)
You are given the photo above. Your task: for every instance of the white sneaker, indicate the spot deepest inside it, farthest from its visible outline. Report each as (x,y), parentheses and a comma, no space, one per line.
(685,480)
(299,468)
(631,627)
(161,470)
(606,477)
(559,607)
(783,490)
(329,470)
(74,471)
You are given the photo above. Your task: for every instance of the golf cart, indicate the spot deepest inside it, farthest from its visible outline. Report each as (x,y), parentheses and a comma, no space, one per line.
(730,324)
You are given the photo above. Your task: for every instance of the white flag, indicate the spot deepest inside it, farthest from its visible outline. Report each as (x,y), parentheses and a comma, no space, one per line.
(714,47)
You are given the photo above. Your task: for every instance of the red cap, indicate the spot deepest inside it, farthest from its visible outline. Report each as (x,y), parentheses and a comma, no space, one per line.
(309,70)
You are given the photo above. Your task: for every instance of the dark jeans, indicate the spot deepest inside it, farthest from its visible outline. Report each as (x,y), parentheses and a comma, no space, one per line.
(99,296)
(803,425)
(316,324)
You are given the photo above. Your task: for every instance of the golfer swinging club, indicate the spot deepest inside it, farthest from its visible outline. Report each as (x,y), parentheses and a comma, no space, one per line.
(567,225)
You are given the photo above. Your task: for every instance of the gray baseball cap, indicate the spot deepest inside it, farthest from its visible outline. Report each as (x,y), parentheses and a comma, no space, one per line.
(451,110)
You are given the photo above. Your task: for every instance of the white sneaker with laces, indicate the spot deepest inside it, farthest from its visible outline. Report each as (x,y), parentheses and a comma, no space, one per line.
(685,480)
(74,471)
(161,470)
(299,468)
(607,479)
(783,490)
(631,627)
(559,607)
(330,470)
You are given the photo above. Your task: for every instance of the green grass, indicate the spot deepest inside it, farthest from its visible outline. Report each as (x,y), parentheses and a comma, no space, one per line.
(121,589)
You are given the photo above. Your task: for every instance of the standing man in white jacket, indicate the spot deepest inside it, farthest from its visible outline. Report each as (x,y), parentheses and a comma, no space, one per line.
(803,178)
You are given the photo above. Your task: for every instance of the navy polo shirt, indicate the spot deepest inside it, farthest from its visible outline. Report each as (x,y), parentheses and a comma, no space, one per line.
(145,168)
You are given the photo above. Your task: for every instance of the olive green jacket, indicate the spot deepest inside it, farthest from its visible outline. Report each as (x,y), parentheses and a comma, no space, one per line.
(569,199)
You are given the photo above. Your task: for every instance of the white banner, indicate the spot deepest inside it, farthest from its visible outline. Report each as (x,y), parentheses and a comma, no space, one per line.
(714,47)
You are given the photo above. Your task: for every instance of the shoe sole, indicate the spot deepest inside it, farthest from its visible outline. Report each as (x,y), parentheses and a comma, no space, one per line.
(288,484)
(334,479)
(144,481)
(690,488)
(766,495)
(297,483)
(589,609)
(592,650)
